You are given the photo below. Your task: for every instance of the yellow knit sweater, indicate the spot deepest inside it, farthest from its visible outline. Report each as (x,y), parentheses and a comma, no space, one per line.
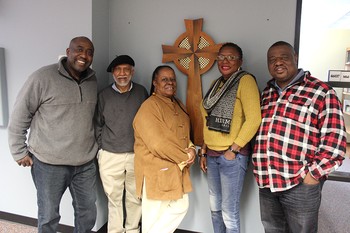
(245,122)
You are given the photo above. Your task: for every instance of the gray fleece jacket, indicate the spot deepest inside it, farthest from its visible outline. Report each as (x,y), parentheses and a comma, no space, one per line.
(58,112)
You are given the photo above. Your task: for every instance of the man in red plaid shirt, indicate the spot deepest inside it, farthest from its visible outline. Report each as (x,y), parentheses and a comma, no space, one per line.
(300,141)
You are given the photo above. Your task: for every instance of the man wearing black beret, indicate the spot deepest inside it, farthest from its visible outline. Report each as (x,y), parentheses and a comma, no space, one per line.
(116,108)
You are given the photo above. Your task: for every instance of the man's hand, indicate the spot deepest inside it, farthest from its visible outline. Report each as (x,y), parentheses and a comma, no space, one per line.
(310,180)
(25,162)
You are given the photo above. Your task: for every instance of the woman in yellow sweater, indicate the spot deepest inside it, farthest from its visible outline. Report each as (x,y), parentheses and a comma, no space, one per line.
(231,110)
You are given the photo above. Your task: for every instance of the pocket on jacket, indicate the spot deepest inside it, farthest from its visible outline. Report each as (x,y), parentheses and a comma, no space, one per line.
(298,109)
(168,178)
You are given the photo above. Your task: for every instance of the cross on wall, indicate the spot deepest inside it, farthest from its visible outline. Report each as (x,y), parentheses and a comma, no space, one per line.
(193,53)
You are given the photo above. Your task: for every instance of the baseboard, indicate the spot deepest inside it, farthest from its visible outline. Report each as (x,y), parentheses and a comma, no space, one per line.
(185,231)
(33,222)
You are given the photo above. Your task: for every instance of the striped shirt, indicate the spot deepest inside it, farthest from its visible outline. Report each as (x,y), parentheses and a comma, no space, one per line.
(302,131)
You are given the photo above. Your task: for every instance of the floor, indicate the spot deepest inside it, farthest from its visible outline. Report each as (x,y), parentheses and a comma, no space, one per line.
(334,209)
(11,227)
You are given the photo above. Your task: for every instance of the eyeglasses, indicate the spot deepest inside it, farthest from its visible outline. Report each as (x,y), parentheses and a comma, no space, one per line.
(228,58)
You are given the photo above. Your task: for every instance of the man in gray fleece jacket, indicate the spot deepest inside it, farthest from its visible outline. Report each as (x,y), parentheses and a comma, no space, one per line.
(56,105)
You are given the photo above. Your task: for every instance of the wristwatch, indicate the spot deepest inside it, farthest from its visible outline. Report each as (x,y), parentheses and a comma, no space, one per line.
(200,154)
(234,151)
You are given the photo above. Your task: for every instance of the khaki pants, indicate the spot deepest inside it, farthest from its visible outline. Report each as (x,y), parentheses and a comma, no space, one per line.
(162,216)
(117,174)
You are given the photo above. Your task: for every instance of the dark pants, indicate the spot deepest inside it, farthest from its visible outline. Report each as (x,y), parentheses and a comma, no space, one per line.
(52,181)
(291,211)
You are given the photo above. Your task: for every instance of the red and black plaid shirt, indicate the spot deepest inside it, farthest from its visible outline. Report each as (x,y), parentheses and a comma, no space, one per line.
(302,131)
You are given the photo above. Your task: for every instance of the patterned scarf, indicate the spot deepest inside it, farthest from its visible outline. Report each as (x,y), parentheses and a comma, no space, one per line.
(220,102)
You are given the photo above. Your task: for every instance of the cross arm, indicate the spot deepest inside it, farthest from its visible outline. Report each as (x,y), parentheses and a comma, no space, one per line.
(171,53)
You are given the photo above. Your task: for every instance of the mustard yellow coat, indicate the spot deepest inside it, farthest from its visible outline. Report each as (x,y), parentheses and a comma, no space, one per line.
(162,131)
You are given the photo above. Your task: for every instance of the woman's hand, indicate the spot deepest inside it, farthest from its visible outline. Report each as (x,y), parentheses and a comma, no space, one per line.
(191,152)
(229,155)
(203,164)
(230,152)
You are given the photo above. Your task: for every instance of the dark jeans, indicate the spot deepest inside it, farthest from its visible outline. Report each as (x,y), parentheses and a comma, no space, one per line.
(51,182)
(291,211)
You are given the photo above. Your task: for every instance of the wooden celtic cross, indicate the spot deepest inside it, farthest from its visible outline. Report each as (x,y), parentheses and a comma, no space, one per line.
(193,53)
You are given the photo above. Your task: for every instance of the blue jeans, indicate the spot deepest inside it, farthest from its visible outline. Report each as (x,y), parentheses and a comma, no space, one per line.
(51,181)
(225,181)
(291,211)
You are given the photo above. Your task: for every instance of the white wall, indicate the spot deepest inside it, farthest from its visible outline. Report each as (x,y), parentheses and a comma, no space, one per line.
(139,28)
(329,49)
(100,37)
(323,46)
(100,26)
(34,33)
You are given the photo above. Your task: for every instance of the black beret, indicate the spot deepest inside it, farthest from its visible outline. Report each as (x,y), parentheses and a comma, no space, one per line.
(122,59)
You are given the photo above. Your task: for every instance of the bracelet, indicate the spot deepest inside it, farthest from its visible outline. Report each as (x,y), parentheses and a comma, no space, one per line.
(234,151)
(200,155)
